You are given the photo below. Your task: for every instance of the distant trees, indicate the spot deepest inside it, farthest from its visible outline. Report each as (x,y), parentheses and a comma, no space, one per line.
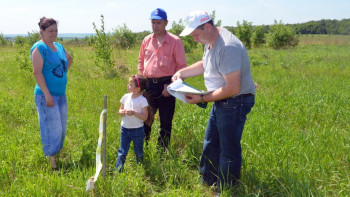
(341,27)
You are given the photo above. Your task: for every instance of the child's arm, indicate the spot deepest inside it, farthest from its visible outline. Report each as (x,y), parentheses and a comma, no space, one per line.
(142,116)
(121,110)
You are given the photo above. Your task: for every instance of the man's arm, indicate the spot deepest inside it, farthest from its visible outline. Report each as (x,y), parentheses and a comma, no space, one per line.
(231,88)
(190,71)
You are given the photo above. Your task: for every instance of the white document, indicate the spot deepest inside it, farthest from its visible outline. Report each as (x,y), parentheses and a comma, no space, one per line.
(179,88)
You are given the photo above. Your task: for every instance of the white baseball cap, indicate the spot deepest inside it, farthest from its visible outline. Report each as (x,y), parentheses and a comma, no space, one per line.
(195,19)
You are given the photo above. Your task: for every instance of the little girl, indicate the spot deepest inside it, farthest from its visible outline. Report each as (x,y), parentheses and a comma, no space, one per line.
(133,108)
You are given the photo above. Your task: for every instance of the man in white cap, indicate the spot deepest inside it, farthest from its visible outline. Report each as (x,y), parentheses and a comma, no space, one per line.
(226,69)
(161,55)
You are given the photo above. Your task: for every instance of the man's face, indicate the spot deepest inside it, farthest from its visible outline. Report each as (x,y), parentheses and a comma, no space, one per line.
(158,26)
(200,36)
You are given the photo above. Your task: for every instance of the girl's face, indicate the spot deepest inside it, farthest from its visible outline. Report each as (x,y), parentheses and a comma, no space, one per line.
(132,87)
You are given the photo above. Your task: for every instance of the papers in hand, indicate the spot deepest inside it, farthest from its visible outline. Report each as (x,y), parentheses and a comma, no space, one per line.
(179,89)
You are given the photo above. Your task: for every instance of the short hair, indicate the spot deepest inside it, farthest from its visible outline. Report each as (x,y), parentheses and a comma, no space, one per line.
(46,22)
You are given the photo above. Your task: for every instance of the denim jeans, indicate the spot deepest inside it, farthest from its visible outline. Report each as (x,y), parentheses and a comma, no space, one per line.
(126,136)
(166,107)
(221,158)
(52,122)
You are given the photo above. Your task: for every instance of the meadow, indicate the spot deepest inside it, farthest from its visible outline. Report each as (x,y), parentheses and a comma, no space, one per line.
(296,140)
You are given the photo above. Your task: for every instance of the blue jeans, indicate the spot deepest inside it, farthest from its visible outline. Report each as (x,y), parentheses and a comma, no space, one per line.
(127,135)
(53,123)
(221,158)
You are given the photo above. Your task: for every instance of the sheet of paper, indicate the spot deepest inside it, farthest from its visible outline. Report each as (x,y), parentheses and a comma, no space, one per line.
(175,86)
(179,89)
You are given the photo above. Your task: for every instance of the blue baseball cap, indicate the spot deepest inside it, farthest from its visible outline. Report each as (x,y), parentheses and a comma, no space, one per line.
(158,14)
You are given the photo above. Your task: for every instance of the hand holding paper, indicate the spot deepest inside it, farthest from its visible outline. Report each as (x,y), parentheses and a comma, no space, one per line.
(179,89)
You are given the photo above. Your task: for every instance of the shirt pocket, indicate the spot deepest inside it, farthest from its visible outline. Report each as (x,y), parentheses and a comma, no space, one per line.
(166,62)
(148,54)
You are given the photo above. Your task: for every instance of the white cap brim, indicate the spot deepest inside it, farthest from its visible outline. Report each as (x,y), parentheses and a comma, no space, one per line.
(187,31)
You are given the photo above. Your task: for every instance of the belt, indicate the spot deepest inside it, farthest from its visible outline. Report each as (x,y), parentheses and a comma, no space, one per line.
(160,79)
(238,96)
(244,95)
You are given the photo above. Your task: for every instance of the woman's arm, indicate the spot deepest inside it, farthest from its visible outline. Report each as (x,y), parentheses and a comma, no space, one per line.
(38,64)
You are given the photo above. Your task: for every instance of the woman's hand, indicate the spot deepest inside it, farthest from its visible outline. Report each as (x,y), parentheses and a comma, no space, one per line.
(49,100)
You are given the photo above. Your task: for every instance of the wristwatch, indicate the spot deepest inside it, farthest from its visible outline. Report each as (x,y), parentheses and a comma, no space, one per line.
(202,101)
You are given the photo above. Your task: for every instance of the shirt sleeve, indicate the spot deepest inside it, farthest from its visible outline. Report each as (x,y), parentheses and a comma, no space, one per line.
(144,102)
(140,66)
(180,58)
(230,59)
(122,100)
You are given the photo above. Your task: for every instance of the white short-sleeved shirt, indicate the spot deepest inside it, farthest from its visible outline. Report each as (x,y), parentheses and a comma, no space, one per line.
(136,104)
(227,55)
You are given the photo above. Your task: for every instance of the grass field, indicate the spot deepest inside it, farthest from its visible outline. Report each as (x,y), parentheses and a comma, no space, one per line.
(296,140)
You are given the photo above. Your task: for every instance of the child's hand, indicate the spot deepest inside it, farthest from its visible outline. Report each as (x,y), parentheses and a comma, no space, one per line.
(122,112)
(130,112)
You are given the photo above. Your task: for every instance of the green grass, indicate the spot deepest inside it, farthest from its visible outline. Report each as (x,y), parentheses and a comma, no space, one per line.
(296,140)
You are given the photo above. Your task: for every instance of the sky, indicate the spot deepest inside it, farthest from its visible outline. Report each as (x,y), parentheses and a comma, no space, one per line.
(77,16)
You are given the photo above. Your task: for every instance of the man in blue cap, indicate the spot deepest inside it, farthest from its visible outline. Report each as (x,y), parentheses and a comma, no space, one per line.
(161,55)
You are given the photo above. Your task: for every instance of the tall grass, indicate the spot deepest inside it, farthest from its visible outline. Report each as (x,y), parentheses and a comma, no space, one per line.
(296,140)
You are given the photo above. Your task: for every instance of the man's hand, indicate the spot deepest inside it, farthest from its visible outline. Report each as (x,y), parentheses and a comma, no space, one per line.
(193,98)
(165,92)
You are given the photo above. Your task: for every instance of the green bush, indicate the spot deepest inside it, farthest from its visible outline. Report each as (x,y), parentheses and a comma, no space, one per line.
(258,37)
(33,37)
(103,49)
(124,37)
(3,41)
(281,36)
(244,33)
(187,41)
(23,55)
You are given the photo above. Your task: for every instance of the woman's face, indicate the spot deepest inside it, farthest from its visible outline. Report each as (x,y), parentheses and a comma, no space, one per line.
(50,33)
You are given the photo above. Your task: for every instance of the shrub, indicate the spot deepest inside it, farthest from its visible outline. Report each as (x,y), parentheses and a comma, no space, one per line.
(124,37)
(102,47)
(23,55)
(281,36)
(187,41)
(33,37)
(258,37)
(244,33)
(3,40)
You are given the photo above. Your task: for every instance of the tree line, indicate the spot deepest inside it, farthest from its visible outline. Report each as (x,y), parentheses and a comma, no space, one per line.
(333,27)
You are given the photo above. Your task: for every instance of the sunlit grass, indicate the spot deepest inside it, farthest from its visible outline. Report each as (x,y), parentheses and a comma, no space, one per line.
(296,140)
